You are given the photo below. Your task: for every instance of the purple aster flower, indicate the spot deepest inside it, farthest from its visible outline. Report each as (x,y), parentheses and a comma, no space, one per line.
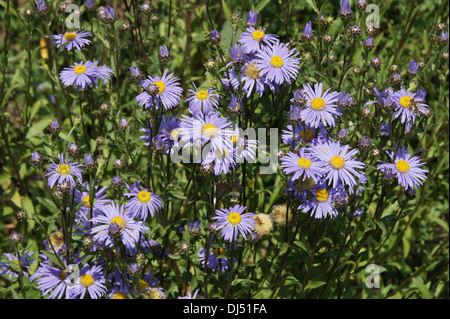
(303,134)
(406,167)
(320,107)
(222,158)
(214,262)
(235,106)
(129,229)
(233,221)
(36,158)
(321,204)
(252,19)
(345,100)
(215,36)
(208,129)
(344,9)
(202,100)
(168,91)
(91,280)
(408,104)
(301,164)
(368,43)
(142,202)
(136,74)
(253,39)
(278,63)
(339,163)
(82,197)
(41,7)
(237,55)
(307,33)
(443,37)
(109,14)
(73,39)
(244,148)
(413,68)
(163,53)
(89,4)
(385,130)
(85,74)
(65,171)
(343,134)
(25,261)
(149,281)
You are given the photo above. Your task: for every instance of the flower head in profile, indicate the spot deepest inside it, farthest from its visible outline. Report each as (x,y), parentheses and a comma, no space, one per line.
(320,106)
(25,260)
(278,63)
(165,90)
(72,39)
(115,222)
(202,100)
(85,74)
(83,197)
(406,168)
(65,171)
(234,222)
(190,295)
(142,202)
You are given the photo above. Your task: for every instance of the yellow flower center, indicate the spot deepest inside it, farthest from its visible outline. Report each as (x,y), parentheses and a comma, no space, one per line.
(63,275)
(405,101)
(307,135)
(218,251)
(276,62)
(209,130)
(318,104)
(79,69)
(119,221)
(64,169)
(86,201)
(234,218)
(70,36)
(304,163)
(234,139)
(174,135)
(154,294)
(322,195)
(257,35)
(402,166)
(86,281)
(337,162)
(252,72)
(143,285)
(119,295)
(202,95)
(144,196)
(161,86)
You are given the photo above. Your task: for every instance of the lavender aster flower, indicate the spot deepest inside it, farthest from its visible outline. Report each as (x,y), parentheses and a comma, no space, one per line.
(408,104)
(65,171)
(252,19)
(301,164)
(202,100)
(339,163)
(233,221)
(344,10)
(73,39)
(82,197)
(85,74)
(406,167)
(320,107)
(129,229)
(168,91)
(307,33)
(25,261)
(278,63)
(142,202)
(253,39)
(237,55)
(321,204)
(413,68)
(91,280)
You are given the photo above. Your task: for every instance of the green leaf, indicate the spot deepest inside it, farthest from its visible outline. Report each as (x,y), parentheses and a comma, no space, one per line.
(314,284)
(312,4)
